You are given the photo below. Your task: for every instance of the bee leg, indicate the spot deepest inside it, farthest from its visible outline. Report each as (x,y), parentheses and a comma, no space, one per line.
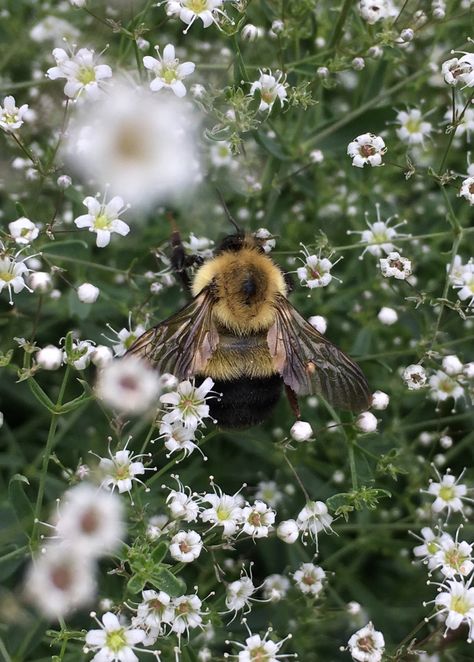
(180,261)
(289,281)
(293,400)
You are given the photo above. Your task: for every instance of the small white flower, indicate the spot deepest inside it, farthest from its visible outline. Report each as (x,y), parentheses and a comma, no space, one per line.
(301,431)
(313,518)
(309,578)
(80,355)
(187,613)
(319,322)
(268,491)
(316,156)
(380,400)
(177,437)
(90,520)
(189,10)
(12,275)
(238,593)
(275,587)
(40,281)
(88,293)
(379,235)
(101,355)
(251,32)
(430,545)
(270,89)
(126,338)
(366,148)
(316,271)
(256,648)
(257,519)
(412,130)
(11,117)
(266,239)
(448,492)
(168,71)
(395,266)
(60,580)
(182,504)
(288,531)
(463,281)
(452,365)
(114,642)
(443,387)
(414,376)
(81,72)
(121,469)
(459,70)
(453,557)
(128,385)
(23,231)
(186,546)
(49,357)
(367,644)
(225,511)
(154,610)
(467,190)
(103,219)
(373,11)
(387,316)
(366,422)
(188,403)
(456,602)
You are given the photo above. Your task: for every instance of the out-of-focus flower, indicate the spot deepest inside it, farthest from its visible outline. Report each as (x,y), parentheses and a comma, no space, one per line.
(81,72)
(23,231)
(265,239)
(189,10)
(413,129)
(52,28)
(374,11)
(319,322)
(168,71)
(103,219)
(49,357)
(275,587)
(40,281)
(270,89)
(367,644)
(366,148)
(366,422)
(443,387)
(452,365)
(301,431)
(128,385)
(12,275)
(143,145)
(467,190)
(80,355)
(380,400)
(88,293)
(101,355)
(11,117)
(387,316)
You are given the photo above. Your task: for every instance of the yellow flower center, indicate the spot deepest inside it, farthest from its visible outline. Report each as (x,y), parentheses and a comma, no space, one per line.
(169,75)
(197,6)
(413,126)
(115,640)
(447,493)
(6,276)
(86,75)
(101,222)
(460,604)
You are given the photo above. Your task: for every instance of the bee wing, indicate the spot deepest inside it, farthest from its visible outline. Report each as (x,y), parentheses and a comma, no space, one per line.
(309,363)
(184,342)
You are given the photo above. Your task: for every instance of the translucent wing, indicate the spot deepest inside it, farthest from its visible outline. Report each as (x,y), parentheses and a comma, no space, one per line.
(309,363)
(184,342)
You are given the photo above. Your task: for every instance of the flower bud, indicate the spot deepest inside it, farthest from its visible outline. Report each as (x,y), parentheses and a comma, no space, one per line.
(452,365)
(380,400)
(407,34)
(101,355)
(88,293)
(64,181)
(288,531)
(358,63)
(366,422)
(250,32)
(49,358)
(319,322)
(301,431)
(387,316)
(322,72)
(40,281)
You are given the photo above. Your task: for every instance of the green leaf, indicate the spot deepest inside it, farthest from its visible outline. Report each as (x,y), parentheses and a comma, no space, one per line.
(20,502)
(136,583)
(159,552)
(164,580)
(67,247)
(40,395)
(5,358)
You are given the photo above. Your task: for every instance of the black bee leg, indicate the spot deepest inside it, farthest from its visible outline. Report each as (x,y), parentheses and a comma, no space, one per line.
(289,281)
(293,400)
(182,262)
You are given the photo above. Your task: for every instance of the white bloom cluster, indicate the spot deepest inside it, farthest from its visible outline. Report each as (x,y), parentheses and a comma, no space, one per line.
(316,270)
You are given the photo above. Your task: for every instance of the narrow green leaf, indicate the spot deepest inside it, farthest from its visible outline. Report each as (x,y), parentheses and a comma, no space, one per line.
(20,502)
(40,395)
(136,583)
(164,580)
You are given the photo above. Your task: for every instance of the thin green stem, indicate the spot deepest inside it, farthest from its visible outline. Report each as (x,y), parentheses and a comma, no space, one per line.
(339,29)
(19,551)
(4,653)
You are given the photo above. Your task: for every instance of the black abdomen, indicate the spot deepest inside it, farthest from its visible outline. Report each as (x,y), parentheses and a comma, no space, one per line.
(245,401)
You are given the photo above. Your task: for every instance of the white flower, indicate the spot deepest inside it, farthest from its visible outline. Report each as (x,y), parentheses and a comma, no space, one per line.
(114,642)
(456,602)
(103,219)
(316,156)
(309,578)
(387,316)
(140,145)
(49,357)
(464,124)
(11,117)
(221,155)
(154,611)
(101,355)
(251,32)
(189,10)
(288,531)
(414,376)
(366,148)
(316,270)
(269,492)
(301,431)
(275,587)
(270,89)
(463,281)
(257,519)
(121,469)
(319,322)
(459,70)
(23,231)
(379,236)
(187,613)
(168,71)
(90,520)
(186,546)
(396,266)
(413,130)
(313,518)
(453,557)
(12,275)
(225,511)
(60,580)
(201,246)
(256,648)
(126,338)
(430,545)
(366,422)
(265,239)
(40,281)
(188,403)
(443,387)
(448,492)
(238,593)
(467,190)
(178,437)
(367,644)
(182,505)
(88,293)
(452,365)
(376,10)
(81,72)
(81,354)
(128,385)
(380,400)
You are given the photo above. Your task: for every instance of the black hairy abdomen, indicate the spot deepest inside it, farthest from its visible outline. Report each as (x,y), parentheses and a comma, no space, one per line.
(245,401)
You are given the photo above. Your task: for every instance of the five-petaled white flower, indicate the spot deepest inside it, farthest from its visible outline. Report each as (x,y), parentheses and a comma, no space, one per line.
(459,70)
(270,89)
(12,275)
(367,644)
(414,376)
(467,190)
(103,219)
(259,648)
(313,518)
(225,511)
(366,148)
(443,387)
(238,593)
(81,72)
(316,270)
(23,231)
(453,557)
(114,642)
(448,492)
(456,602)
(11,117)
(395,266)
(186,546)
(188,403)
(413,129)
(168,71)
(257,519)
(154,611)
(178,437)
(189,10)
(128,385)
(309,578)
(379,235)
(121,469)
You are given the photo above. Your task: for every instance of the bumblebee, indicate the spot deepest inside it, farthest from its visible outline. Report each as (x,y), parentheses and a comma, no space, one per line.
(241,330)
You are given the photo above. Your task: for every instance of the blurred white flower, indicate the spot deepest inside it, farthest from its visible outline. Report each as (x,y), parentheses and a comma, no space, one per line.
(101,355)
(88,293)
(268,491)
(376,10)
(275,587)
(11,117)
(49,357)
(52,28)
(168,71)
(366,422)
(301,431)
(23,231)
(186,546)
(380,400)
(80,355)
(319,322)
(366,148)
(387,316)
(189,10)
(142,145)
(288,531)
(467,190)
(412,130)
(367,644)
(266,239)
(40,281)
(103,219)
(443,387)
(81,72)
(128,385)
(459,70)
(12,275)
(452,365)
(270,89)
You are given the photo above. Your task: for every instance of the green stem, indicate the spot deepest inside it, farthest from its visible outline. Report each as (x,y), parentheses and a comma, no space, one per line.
(20,551)
(338,30)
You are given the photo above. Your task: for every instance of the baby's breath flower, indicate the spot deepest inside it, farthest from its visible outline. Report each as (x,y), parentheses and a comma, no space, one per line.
(154,611)
(288,531)
(270,89)
(301,431)
(453,557)
(387,316)
(187,613)
(113,641)
(366,422)
(225,510)
(122,469)
(12,275)
(168,71)
(456,603)
(395,266)
(81,72)
(366,149)
(186,546)
(49,357)
(414,376)
(178,437)
(467,190)
(128,385)
(459,70)
(443,387)
(11,117)
(313,519)
(182,503)
(258,648)
(257,519)
(188,403)
(412,130)
(275,587)
(367,644)
(373,11)
(269,492)
(103,219)
(380,400)
(101,356)
(452,365)
(88,293)
(309,578)
(189,10)
(380,234)
(23,231)
(429,547)
(449,493)
(316,270)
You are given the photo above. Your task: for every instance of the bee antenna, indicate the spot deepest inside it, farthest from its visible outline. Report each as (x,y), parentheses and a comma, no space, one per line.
(171,219)
(227,212)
